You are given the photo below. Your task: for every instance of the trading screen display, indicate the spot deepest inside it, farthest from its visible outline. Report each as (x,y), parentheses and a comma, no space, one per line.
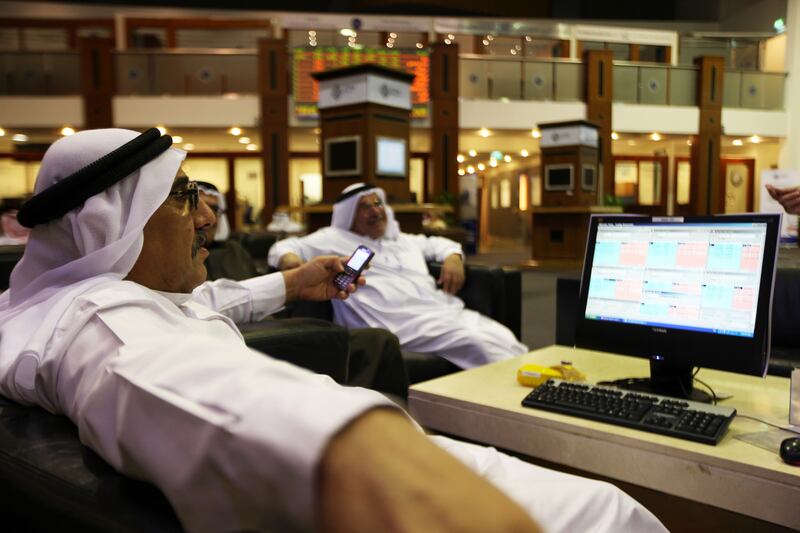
(695,276)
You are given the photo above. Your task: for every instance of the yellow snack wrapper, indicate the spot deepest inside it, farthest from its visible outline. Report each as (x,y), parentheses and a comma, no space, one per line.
(532,375)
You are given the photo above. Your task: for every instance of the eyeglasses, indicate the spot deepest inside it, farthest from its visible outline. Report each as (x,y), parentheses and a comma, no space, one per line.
(366,206)
(189,193)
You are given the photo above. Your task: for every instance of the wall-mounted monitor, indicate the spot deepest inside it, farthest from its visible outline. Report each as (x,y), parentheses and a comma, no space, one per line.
(558,177)
(343,156)
(391,159)
(588,177)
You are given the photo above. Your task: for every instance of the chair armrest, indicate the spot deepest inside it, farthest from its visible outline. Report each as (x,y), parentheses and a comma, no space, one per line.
(318,345)
(492,291)
(785,337)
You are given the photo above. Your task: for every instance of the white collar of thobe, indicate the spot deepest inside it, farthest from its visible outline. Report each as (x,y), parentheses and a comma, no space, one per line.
(178,298)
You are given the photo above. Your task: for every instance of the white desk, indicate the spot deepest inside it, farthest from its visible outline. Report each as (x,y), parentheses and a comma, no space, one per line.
(483,404)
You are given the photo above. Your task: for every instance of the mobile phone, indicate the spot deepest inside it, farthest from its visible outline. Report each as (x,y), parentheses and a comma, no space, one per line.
(352,269)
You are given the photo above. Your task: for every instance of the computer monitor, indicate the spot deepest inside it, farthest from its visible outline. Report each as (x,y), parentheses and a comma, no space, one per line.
(391,160)
(343,156)
(683,292)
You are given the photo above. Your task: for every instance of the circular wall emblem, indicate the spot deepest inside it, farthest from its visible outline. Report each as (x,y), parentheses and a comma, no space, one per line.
(205,74)
(336,92)
(736,179)
(134,73)
(653,85)
(384,90)
(752,90)
(473,78)
(538,81)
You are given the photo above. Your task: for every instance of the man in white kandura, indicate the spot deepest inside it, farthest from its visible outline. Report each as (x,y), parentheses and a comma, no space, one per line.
(108,322)
(401,295)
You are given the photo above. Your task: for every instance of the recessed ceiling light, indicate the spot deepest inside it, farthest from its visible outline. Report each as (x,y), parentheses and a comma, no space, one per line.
(162,129)
(737,142)
(481,167)
(19,138)
(755,139)
(235,131)
(536,133)
(177,139)
(470,170)
(523,153)
(614,135)
(472,153)
(252,147)
(2,132)
(507,158)
(483,132)
(655,136)
(66,131)
(188,147)
(244,140)
(460,158)
(461,172)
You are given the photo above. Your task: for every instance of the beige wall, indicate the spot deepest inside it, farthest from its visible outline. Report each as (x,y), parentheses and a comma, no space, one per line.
(17,178)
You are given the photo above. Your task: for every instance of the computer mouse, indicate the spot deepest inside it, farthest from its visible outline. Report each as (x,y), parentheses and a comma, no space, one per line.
(790,451)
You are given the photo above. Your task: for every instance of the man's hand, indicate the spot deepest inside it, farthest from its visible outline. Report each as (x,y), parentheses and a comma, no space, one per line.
(451,278)
(381,474)
(314,280)
(289,260)
(789,198)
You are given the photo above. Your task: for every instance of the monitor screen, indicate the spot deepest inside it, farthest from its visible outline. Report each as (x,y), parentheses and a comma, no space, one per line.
(558,177)
(390,157)
(343,156)
(693,291)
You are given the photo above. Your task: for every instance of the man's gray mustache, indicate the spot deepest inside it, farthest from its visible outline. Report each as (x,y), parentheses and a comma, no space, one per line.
(199,241)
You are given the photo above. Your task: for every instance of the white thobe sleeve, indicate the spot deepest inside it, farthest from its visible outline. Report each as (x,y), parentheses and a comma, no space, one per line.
(435,248)
(243,301)
(306,248)
(233,438)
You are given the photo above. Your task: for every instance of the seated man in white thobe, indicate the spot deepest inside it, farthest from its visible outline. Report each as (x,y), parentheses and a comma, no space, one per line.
(401,295)
(108,322)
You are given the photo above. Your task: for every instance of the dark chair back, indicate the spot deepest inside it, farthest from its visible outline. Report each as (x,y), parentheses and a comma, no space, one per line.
(9,255)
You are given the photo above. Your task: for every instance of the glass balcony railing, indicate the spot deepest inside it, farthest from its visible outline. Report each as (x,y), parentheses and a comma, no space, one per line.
(39,73)
(176,72)
(520,79)
(216,72)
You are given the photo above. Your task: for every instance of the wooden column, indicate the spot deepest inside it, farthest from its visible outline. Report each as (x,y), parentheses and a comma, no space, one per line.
(273,90)
(97,81)
(706,197)
(599,95)
(444,122)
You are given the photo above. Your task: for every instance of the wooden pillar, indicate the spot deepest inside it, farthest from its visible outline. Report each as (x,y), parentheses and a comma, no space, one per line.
(273,90)
(599,96)
(444,121)
(97,81)
(706,196)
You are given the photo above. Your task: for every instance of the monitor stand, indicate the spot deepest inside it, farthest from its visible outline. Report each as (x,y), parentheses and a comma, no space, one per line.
(667,379)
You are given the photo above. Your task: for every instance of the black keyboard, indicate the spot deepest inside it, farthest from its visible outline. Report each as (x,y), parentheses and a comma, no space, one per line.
(649,412)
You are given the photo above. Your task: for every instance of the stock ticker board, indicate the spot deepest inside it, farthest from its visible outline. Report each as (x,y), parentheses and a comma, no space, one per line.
(306,61)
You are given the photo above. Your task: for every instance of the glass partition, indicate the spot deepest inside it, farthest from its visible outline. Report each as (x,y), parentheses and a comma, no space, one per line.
(148,72)
(39,73)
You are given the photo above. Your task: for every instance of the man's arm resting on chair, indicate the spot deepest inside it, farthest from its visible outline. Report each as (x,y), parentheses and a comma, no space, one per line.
(381,474)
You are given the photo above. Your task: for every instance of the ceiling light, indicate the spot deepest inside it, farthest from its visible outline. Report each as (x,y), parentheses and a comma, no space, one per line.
(481,167)
(470,170)
(162,129)
(490,37)
(461,172)
(655,136)
(755,139)
(177,139)
(419,45)
(507,158)
(536,133)
(460,158)
(235,131)
(483,132)
(447,41)
(188,147)
(513,52)
(252,147)
(312,33)
(485,42)
(614,135)
(66,131)
(19,138)
(528,38)
(451,36)
(737,142)
(244,140)
(472,153)
(493,162)
(523,153)
(2,132)
(393,35)
(347,32)
(389,45)
(689,142)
